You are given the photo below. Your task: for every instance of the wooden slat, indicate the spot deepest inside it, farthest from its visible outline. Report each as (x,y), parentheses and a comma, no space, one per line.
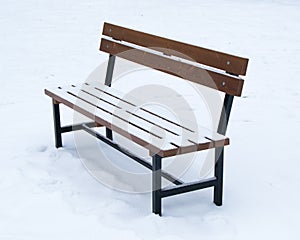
(138,136)
(135,120)
(209,78)
(117,113)
(131,105)
(229,63)
(129,110)
(104,110)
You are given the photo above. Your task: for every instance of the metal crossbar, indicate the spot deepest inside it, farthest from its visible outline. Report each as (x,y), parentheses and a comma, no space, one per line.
(143,162)
(188,187)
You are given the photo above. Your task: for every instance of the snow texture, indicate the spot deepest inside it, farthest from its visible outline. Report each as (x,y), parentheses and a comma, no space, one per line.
(47,193)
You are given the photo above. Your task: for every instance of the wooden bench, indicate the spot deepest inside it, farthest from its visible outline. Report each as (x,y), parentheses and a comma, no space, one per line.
(106,107)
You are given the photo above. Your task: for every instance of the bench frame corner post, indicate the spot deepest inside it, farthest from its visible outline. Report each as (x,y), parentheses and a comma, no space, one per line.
(219,151)
(156,184)
(57,124)
(108,80)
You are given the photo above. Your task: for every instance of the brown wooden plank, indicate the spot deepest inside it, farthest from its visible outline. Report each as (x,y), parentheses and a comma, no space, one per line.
(83,109)
(130,105)
(138,130)
(222,82)
(142,123)
(119,112)
(229,63)
(133,106)
(199,146)
(129,101)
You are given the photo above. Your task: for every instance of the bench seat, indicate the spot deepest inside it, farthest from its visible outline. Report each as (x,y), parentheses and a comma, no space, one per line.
(157,132)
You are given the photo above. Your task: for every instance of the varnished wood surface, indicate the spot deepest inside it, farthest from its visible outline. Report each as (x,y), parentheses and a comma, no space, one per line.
(227,62)
(216,80)
(107,107)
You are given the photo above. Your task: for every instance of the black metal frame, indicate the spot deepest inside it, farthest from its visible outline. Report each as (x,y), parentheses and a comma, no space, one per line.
(158,193)
(219,151)
(108,80)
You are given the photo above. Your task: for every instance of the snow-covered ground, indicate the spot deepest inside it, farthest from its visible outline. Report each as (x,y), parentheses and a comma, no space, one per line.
(47,193)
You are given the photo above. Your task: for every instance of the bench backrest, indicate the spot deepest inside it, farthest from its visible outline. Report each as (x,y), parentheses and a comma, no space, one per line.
(207,67)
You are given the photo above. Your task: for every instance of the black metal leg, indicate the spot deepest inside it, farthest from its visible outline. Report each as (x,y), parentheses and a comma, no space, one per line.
(109,134)
(218,188)
(156,184)
(108,79)
(57,127)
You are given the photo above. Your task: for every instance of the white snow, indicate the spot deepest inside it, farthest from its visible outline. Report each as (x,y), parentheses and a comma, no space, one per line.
(47,193)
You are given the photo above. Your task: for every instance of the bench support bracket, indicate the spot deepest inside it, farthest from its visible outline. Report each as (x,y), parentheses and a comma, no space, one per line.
(219,152)
(156,184)
(188,187)
(108,80)
(57,126)
(58,129)
(218,188)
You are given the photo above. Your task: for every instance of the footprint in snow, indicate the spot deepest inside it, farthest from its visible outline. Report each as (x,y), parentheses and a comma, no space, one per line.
(41,148)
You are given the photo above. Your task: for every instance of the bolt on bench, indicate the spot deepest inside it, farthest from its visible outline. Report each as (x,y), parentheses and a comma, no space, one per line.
(106,108)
